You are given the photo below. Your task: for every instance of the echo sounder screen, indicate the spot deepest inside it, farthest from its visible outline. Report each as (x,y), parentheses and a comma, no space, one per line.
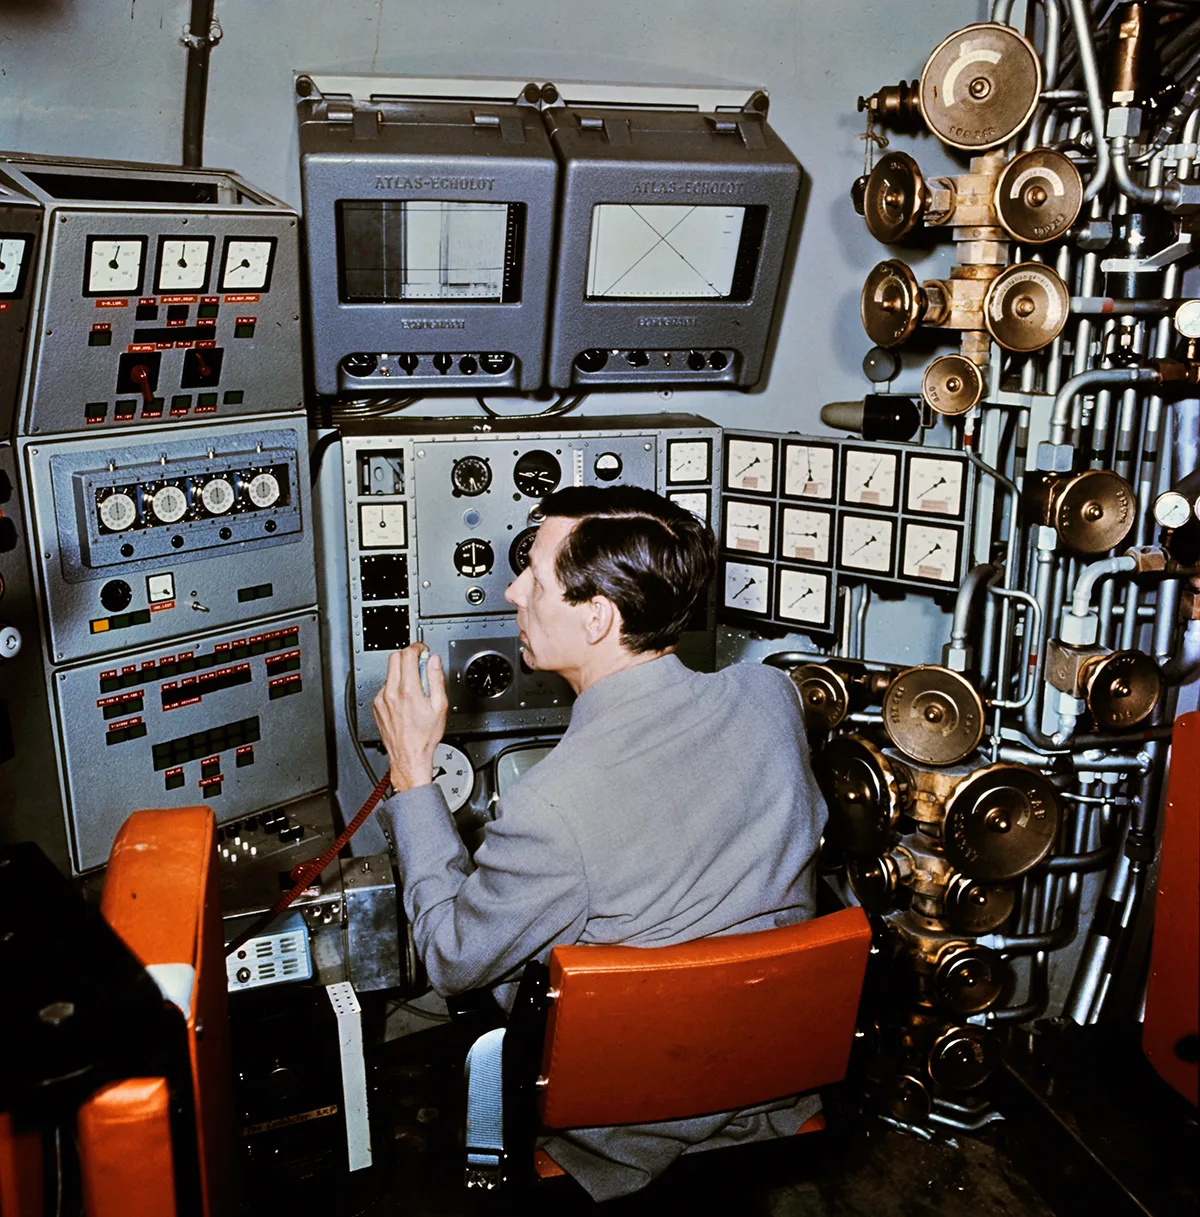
(429,250)
(665,251)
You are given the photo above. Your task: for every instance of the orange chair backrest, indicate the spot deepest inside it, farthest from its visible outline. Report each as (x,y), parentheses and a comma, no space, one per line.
(162,896)
(638,1034)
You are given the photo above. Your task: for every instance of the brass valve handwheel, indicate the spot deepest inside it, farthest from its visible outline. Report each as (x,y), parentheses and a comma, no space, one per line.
(1026,307)
(1122,689)
(895,197)
(1038,196)
(952,385)
(824,696)
(866,794)
(968,979)
(933,715)
(1094,511)
(977,908)
(876,882)
(891,304)
(962,1058)
(980,86)
(1001,821)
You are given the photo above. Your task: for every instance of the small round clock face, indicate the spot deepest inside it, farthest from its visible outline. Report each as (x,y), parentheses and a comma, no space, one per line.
(168,504)
(454,773)
(118,511)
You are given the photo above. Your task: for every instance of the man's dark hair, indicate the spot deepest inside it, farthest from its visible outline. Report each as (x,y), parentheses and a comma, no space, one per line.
(650,557)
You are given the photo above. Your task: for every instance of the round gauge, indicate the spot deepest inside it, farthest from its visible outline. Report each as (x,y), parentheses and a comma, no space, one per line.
(1187,319)
(488,675)
(263,489)
(454,773)
(117,512)
(608,466)
(1172,510)
(473,558)
(518,551)
(169,504)
(470,475)
(217,496)
(537,473)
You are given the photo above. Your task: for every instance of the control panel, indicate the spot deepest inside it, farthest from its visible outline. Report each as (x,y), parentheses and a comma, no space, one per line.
(439,523)
(235,718)
(20,236)
(159,295)
(156,538)
(800,514)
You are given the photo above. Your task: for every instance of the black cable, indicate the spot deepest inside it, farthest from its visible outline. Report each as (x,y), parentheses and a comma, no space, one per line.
(562,406)
(318,454)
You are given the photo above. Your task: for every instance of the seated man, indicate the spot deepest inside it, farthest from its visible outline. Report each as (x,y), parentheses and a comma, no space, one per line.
(678,804)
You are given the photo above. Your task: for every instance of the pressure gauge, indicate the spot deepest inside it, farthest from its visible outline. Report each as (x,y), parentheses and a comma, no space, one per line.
(803,596)
(747,587)
(117,511)
(217,495)
(382,525)
(168,504)
(805,534)
(12,263)
(929,553)
(474,558)
(183,263)
(748,526)
(608,466)
(808,471)
(935,485)
(454,773)
(869,478)
(688,460)
(470,475)
(263,490)
(750,465)
(1172,510)
(247,265)
(1187,319)
(537,473)
(114,265)
(695,501)
(867,544)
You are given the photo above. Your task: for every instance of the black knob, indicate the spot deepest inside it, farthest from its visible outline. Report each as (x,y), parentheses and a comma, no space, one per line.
(359,364)
(243,975)
(115,595)
(225,533)
(127,549)
(717,360)
(443,363)
(696,360)
(468,365)
(177,542)
(495,363)
(637,359)
(409,362)
(591,361)
(270,526)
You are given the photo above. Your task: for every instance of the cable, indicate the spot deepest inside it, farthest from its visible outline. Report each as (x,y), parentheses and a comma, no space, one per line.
(561,406)
(358,408)
(351,712)
(432,1015)
(317,455)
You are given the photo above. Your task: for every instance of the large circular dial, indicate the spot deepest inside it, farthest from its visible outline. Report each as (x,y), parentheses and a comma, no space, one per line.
(263,489)
(217,496)
(168,504)
(473,557)
(537,473)
(488,675)
(470,475)
(518,551)
(454,773)
(118,511)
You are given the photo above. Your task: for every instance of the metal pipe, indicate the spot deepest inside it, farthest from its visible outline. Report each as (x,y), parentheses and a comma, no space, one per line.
(1085,380)
(1094,860)
(1091,80)
(1169,195)
(1102,306)
(199,41)
(976,578)
(1081,601)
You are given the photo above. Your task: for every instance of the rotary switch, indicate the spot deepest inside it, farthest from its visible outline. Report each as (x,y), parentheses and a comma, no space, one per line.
(933,715)
(980,86)
(1001,821)
(866,793)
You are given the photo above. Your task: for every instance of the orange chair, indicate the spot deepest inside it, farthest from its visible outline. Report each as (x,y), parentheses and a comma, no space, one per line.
(630,1035)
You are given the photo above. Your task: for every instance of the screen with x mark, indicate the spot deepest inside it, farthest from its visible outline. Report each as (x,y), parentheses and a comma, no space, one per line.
(656,251)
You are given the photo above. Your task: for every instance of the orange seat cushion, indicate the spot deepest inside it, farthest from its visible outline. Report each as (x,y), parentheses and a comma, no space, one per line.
(639,1034)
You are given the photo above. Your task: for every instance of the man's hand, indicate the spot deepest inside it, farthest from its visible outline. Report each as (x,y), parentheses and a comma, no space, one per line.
(410,722)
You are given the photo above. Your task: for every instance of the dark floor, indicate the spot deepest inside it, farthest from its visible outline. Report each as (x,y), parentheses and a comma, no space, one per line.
(873,1170)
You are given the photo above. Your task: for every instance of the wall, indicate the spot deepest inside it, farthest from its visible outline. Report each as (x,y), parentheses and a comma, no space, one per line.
(92,79)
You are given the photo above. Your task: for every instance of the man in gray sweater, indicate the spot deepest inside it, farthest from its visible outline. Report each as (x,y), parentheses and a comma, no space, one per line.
(678,804)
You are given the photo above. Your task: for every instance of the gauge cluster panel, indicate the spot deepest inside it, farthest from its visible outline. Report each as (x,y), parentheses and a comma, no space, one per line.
(20,239)
(159,295)
(439,523)
(154,539)
(800,514)
(231,719)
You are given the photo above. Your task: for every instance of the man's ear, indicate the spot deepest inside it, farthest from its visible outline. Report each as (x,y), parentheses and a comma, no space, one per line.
(603,618)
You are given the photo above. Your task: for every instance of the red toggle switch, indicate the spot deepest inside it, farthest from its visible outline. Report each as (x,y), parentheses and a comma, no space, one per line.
(140,375)
(205,370)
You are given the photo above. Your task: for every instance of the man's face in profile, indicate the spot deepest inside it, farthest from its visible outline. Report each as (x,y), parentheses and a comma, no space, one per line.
(552,631)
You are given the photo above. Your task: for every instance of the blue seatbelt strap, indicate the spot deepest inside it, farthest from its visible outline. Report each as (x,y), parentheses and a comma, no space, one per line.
(485,1106)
